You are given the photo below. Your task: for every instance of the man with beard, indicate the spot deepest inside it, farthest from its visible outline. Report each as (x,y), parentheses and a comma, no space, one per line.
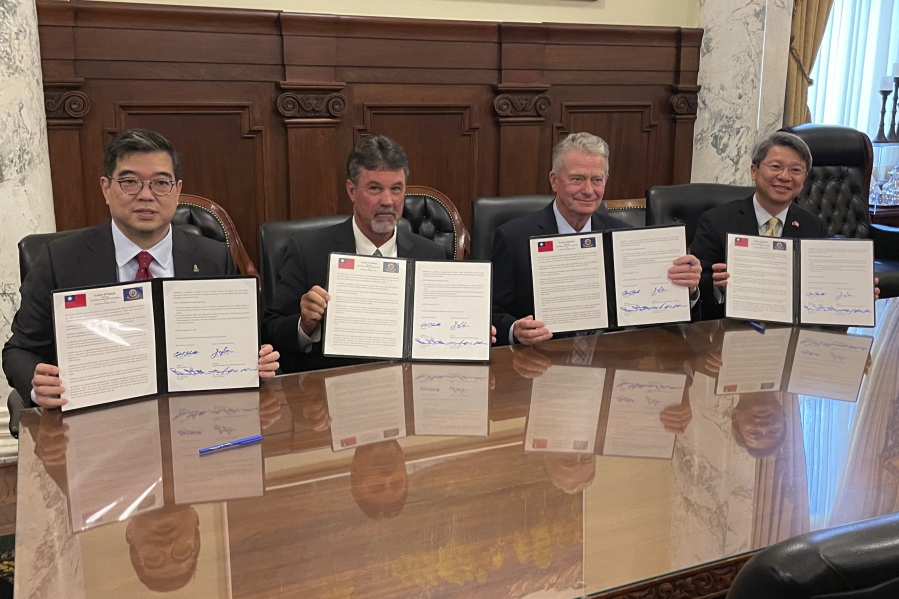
(376,183)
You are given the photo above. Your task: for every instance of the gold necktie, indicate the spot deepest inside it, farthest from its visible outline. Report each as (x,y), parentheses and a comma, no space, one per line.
(772,226)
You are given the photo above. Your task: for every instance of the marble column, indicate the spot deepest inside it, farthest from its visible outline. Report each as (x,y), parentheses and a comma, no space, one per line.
(742,71)
(26,197)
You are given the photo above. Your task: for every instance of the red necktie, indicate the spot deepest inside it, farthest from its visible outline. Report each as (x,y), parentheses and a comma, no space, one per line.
(143,266)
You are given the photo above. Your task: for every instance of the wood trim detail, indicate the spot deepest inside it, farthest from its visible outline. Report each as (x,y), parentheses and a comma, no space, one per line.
(709,582)
(521,104)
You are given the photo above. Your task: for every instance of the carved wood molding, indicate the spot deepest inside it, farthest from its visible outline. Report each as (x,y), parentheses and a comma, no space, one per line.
(517,104)
(248,128)
(707,582)
(64,105)
(684,101)
(320,104)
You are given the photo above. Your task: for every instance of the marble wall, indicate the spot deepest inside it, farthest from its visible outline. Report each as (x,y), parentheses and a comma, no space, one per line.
(26,198)
(742,71)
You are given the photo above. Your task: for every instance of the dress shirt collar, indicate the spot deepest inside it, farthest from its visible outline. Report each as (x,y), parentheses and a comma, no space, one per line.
(126,251)
(762,216)
(563,225)
(365,247)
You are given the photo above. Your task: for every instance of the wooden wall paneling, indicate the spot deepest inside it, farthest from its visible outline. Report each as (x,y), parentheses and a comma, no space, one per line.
(441,143)
(249,98)
(521,114)
(630,129)
(222,152)
(65,107)
(312,116)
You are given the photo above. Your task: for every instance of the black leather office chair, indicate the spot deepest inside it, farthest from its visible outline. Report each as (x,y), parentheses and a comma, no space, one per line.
(426,212)
(676,204)
(837,191)
(856,561)
(190,215)
(273,240)
(431,214)
(210,220)
(487,214)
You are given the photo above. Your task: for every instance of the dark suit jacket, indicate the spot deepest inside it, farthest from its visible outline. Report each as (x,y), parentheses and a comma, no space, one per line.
(306,265)
(81,260)
(710,242)
(513,287)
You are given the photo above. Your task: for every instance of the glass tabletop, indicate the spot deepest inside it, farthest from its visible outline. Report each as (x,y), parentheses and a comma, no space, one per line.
(581,466)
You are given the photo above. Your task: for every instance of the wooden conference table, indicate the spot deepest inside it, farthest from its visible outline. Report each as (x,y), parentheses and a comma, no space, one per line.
(604,466)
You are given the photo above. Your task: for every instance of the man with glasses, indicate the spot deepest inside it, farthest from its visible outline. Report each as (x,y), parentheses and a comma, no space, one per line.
(141,183)
(580,171)
(780,164)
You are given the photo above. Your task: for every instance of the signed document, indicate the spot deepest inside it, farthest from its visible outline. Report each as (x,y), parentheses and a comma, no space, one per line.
(130,340)
(105,343)
(830,365)
(394,308)
(801,281)
(634,427)
(569,282)
(451,311)
(366,407)
(564,410)
(836,280)
(211,334)
(367,310)
(761,278)
(199,421)
(643,293)
(113,462)
(450,399)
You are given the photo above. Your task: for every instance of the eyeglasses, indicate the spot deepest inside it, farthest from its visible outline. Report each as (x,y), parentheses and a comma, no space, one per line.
(158,187)
(777,169)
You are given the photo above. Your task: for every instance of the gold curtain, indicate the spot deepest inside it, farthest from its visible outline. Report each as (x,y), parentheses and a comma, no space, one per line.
(809,21)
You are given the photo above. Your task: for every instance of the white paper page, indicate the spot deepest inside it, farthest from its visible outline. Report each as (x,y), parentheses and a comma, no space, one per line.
(199,421)
(752,361)
(106,343)
(642,258)
(638,398)
(450,399)
(829,365)
(113,464)
(761,278)
(452,310)
(366,314)
(211,334)
(564,410)
(366,407)
(569,282)
(837,282)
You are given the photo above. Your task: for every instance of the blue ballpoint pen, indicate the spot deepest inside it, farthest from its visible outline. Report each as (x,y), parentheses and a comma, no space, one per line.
(757,326)
(231,444)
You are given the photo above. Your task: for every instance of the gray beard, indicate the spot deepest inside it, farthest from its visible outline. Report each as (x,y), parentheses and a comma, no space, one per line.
(382,227)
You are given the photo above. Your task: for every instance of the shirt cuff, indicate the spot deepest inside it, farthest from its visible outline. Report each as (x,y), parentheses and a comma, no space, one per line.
(306,341)
(694,298)
(511,336)
(719,296)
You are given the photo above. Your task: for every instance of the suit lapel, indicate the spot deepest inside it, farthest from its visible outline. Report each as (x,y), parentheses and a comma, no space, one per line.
(183,257)
(403,244)
(547,223)
(791,230)
(747,223)
(97,264)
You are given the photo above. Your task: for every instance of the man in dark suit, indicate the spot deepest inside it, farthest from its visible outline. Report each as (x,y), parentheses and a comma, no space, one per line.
(579,174)
(780,164)
(376,183)
(141,183)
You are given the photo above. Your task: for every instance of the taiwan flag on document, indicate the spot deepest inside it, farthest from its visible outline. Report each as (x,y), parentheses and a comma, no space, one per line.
(741,242)
(544,246)
(79,300)
(346,263)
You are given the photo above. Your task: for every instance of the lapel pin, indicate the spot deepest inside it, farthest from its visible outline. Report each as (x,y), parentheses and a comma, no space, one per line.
(196,269)
(795,223)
